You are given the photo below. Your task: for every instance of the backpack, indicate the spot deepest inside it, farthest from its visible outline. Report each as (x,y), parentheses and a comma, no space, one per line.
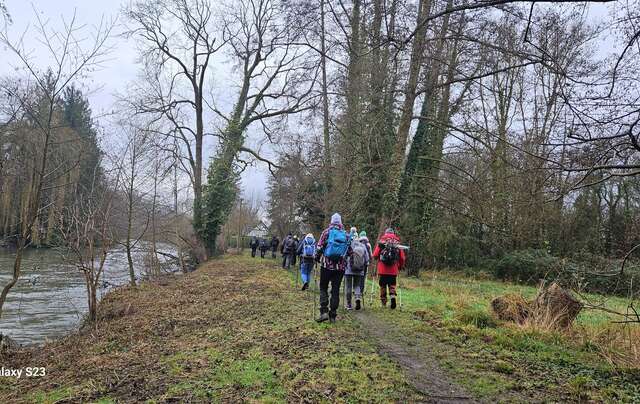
(337,244)
(359,256)
(289,245)
(390,253)
(309,248)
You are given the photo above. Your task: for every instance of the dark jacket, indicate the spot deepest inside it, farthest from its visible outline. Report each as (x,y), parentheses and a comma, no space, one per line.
(288,245)
(254,243)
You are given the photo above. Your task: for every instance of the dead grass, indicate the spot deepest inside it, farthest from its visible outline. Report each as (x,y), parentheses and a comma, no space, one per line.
(233,331)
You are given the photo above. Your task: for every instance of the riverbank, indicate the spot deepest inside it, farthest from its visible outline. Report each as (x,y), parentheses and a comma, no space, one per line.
(239,330)
(50,298)
(234,330)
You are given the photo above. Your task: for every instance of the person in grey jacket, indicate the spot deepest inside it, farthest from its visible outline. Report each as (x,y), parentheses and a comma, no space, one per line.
(356,269)
(365,240)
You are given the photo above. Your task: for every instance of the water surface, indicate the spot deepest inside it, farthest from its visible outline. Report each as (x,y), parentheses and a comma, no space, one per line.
(50,299)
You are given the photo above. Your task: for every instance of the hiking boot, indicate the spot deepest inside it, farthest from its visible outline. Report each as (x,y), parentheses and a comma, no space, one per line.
(348,306)
(305,286)
(393,302)
(358,304)
(332,320)
(323,317)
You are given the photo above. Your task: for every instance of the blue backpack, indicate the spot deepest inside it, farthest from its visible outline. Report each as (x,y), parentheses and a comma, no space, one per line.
(309,248)
(337,245)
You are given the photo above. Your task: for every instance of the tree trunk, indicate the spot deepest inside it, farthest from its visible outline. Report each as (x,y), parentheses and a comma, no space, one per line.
(398,159)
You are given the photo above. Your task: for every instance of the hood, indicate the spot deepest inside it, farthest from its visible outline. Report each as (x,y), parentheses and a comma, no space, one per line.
(336,219)
(390,236)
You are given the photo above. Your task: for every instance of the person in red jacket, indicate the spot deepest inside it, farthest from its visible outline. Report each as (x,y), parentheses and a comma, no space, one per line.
(391,260)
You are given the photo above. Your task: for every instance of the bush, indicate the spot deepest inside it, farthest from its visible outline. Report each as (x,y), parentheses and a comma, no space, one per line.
(584,272)
(529,266)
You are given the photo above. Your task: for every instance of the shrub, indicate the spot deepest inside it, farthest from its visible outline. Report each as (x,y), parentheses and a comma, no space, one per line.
(584,272)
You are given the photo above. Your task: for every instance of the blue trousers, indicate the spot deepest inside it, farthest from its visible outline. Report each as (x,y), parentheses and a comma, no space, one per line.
(305,270)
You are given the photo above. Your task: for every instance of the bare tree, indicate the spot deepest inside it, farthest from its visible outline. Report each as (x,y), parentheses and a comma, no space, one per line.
(89,237)
(177,44)
(277,77)
(73,54)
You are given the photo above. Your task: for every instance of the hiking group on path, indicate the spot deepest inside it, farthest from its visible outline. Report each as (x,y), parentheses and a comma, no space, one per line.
(340,255)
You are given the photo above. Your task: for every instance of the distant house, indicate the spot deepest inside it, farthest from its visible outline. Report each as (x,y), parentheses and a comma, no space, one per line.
(260,231)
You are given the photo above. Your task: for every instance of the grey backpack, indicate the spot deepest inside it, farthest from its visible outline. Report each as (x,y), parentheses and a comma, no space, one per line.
(359,256)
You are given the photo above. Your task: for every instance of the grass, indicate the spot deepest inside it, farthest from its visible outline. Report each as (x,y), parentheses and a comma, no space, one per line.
(233,331)
(494,359)
(237,330)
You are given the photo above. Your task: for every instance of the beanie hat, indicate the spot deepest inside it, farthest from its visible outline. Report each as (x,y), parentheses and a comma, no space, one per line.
(363,234)
(354,231)
(336,219)
(390,230)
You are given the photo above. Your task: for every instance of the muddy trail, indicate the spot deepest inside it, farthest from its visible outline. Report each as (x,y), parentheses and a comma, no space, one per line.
(417,362)
(235,330)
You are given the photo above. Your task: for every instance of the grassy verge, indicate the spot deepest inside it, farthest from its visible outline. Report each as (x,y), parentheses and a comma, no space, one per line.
(493,359)
(233,331)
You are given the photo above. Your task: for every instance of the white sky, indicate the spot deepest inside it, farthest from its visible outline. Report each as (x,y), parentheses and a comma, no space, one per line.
(121,68)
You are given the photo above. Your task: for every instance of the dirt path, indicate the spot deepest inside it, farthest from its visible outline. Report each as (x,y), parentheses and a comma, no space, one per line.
(418,364)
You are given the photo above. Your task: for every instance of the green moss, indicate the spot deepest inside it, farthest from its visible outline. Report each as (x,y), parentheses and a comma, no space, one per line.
(53,396)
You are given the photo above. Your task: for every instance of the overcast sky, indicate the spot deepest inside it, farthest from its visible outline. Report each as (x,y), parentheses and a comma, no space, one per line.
(122,68)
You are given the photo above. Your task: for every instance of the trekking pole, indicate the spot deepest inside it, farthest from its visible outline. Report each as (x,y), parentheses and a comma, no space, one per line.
(315,294)
(399,291)
(374,280)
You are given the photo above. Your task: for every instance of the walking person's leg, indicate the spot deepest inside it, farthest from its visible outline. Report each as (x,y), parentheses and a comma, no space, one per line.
(336,280)
(383,289)
(305,269)
(392,290)
(348,290)
(325,277)
(358,291)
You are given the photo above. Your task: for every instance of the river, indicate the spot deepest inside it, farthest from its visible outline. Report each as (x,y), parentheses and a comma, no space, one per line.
(50,299)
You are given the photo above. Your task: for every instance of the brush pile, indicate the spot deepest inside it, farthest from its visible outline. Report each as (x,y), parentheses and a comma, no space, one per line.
(553,308)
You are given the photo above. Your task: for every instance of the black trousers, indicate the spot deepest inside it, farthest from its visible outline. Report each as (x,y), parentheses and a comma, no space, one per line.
(334,278)
(262,252)
(286,260)
(253,251)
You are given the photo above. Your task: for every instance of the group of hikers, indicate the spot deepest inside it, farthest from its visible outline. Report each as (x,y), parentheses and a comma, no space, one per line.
(264,245)
(341,254)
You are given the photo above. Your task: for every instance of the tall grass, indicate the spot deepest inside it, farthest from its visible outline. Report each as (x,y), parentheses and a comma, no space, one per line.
(455,299)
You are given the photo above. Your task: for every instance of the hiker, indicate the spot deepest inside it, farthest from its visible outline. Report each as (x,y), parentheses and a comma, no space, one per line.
(264,246)
(391,260)
(254,246)
(332,252)
(288,250)
(275,242)
(365,240)
(355,270)
(294,255)
(307,252)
